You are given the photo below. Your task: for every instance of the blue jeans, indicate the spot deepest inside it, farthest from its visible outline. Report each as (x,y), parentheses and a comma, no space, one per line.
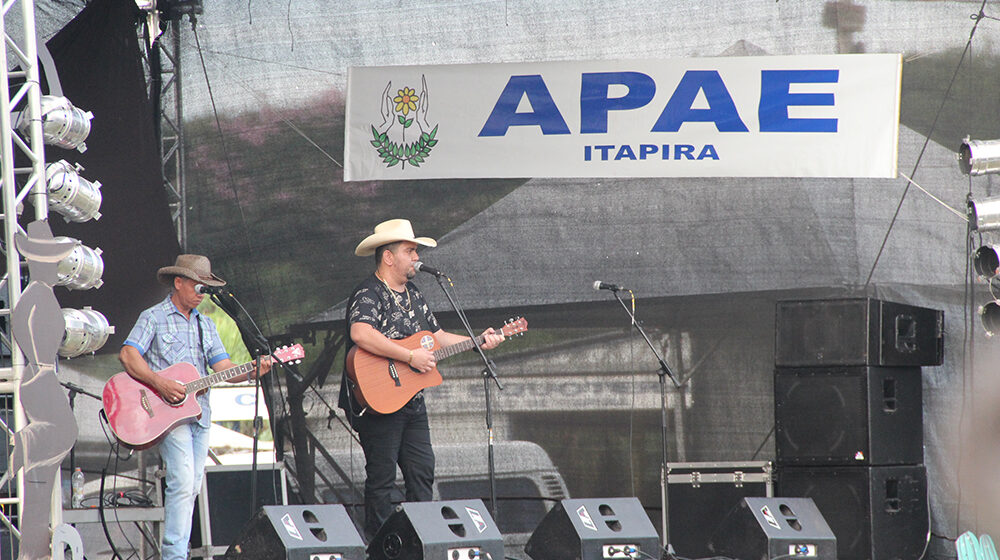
(402,438)
(183,452)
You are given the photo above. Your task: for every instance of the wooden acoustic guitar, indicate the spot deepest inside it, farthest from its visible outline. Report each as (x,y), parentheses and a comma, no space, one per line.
(386,385)
(139,416)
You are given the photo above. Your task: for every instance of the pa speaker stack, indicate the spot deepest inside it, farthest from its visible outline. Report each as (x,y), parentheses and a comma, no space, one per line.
(849,418)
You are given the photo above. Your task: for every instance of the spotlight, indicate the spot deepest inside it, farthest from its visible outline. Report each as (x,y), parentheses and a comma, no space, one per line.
(63,125)
(82,269)
(86,332)
(979,157)
(76,198)
(984,215)
(986,261)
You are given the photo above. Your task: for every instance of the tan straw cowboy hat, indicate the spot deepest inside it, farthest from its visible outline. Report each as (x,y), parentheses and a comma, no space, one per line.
(391,231)
(195,267)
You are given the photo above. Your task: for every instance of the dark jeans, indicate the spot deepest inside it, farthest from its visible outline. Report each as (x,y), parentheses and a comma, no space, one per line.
(402,438)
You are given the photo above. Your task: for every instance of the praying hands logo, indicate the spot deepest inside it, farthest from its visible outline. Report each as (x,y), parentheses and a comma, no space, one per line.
(396,139)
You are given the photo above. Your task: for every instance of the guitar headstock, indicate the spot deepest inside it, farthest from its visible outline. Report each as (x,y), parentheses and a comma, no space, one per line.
(514,327)
(290,354)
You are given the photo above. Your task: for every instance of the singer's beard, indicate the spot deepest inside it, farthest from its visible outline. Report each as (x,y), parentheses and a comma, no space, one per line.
(411,273)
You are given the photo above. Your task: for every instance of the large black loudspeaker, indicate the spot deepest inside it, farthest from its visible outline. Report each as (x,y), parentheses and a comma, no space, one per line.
(316,532)
(594,529)
(450,530)
(876,512)
(861,331)
(764,528)
(848,416)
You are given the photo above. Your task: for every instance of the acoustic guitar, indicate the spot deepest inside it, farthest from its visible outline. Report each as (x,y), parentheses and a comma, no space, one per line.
(386,385)
(139,416)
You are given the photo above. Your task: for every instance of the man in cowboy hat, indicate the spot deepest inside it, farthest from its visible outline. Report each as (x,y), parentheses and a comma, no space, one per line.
(387,306)
(168,333)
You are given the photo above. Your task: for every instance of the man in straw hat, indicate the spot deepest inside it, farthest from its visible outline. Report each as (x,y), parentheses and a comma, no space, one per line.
(387,306)
(171,332)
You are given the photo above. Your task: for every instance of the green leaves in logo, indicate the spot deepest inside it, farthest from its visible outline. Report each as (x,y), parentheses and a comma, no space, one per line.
(413,153)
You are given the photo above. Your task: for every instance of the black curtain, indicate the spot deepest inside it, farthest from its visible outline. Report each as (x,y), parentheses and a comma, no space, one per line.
(100,68)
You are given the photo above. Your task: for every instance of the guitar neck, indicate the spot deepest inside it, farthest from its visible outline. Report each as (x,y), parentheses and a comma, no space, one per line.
(451,350)
(218,377)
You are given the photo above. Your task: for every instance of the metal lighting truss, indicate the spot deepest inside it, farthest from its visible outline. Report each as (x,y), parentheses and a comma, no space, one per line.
(22,92)
(164,71)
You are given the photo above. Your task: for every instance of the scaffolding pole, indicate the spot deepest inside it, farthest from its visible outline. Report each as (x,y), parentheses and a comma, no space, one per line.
(20,103)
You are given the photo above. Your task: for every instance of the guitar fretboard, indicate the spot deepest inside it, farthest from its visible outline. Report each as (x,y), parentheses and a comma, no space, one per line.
(442,353)
(218,377)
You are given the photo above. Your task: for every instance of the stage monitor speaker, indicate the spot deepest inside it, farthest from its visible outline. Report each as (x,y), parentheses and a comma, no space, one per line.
(763,528)
(848,416)
(454,529)
(857,332)
(316,532)
(594,529)
(876,512)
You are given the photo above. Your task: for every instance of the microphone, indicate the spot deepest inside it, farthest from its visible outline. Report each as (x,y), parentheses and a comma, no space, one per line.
(203,289)
(598,285)
(421,267)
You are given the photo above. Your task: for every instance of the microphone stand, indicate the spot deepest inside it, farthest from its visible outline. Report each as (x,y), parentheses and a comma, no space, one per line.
(258,346)
(664,372)
(489,374)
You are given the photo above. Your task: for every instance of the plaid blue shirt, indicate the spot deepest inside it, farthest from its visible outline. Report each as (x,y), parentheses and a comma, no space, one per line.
(165,337)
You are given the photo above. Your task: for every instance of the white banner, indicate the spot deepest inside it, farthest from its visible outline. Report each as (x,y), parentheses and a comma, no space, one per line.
(775,116)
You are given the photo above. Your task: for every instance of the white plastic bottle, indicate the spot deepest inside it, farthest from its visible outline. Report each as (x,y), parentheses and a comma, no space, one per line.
(76,483)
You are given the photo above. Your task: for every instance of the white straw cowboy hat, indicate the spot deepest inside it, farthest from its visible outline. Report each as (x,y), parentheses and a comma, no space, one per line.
(391,231)
(195,267)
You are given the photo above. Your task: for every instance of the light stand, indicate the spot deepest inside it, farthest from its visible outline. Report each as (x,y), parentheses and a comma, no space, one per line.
(489,374)
(664,372)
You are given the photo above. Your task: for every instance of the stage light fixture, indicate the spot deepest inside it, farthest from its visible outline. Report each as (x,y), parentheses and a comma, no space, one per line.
(86,332)
(82,269)
(63,125)
(979,157)
(986,261)
(984,215)
(990,316)
(76,198)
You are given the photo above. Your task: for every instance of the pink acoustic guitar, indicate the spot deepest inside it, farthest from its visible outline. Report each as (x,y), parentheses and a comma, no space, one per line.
(139,417)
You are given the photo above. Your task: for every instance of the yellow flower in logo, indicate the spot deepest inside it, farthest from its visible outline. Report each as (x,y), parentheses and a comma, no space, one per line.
(406,101)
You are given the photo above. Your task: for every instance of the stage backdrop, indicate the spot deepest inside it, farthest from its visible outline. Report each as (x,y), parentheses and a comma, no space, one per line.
(778,116)
(707,257)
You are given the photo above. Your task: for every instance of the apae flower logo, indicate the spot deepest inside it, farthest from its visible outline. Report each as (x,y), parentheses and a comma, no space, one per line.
(399,113)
